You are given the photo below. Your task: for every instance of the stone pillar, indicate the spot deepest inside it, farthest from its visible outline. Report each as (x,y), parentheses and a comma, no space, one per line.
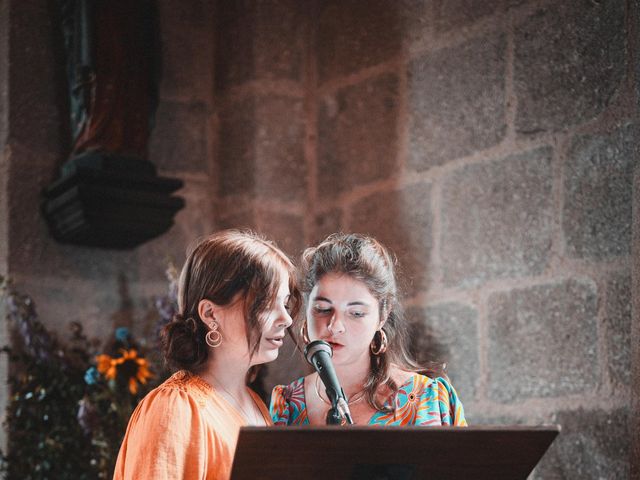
(635,332)
(261,67)
(261,52)
(634,34)
(4,184)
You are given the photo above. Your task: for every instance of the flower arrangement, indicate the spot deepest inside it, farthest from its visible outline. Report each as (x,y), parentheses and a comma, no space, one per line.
(128,367)
(70,402)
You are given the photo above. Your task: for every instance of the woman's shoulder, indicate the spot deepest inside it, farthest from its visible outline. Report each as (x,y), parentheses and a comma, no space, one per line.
(451,409)
(169,410)
(445,388)
(183,389)
(411,379)
(439,387)
(168,431)
(437,396)
(186,381)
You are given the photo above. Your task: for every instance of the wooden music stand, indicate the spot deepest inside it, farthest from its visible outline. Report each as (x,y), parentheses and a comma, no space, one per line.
(393,453)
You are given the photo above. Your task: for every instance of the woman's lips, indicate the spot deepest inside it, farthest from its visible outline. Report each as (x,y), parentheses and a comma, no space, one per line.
(276,342)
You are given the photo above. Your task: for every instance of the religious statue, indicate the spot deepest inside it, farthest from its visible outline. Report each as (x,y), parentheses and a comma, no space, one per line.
(109,194)
(112,70)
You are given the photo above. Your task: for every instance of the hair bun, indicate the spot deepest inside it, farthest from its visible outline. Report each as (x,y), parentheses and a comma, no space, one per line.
(188,324)
(182,341)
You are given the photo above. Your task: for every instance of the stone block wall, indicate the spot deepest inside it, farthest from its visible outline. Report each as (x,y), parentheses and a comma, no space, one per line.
(491,145)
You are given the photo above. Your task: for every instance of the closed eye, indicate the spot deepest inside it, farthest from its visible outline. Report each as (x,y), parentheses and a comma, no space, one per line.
(321,311)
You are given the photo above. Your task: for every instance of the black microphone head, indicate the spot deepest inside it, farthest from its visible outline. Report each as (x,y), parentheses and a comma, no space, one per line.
(316,346)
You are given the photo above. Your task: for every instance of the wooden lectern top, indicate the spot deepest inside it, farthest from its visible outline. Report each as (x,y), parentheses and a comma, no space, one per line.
(393,453)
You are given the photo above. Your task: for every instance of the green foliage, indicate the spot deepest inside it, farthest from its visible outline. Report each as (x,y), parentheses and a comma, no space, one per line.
(68,411)
(45,440)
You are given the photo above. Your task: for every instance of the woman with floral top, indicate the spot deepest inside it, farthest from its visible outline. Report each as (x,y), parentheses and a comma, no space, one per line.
(350,288)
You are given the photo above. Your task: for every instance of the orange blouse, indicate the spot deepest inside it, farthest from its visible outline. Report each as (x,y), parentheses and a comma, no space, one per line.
(182,429)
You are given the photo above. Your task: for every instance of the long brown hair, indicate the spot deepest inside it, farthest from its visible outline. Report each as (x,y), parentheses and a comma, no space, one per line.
(220,267)
(367,260)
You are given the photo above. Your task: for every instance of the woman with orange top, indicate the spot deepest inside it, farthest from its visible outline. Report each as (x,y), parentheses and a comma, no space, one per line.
(352,302)
(237,294)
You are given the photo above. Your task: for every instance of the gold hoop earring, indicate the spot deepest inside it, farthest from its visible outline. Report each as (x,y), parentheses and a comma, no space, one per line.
(213,338)
(379,350)
(304,333)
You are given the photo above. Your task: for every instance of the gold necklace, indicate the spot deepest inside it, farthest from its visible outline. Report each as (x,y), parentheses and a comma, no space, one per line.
(250,418)
(355,399)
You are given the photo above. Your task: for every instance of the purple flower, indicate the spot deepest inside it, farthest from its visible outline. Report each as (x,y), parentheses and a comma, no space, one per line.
(87,416)
(167,305)
(37,340)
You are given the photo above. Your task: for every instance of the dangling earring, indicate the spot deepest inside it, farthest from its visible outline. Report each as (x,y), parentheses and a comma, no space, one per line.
(379,350)
(213,338)
(304,333)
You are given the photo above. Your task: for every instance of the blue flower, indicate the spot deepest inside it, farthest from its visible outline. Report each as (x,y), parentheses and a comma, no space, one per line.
(91,376)
(122,334)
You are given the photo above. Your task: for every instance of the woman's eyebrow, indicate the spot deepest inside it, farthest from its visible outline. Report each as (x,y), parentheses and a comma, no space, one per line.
(322,299)
(355,302)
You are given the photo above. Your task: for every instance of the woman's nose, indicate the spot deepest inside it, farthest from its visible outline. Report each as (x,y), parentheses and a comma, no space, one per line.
(336,324)
(284,319)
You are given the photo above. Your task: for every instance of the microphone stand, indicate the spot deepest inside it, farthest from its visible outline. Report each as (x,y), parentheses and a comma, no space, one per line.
(318,353)
(333,417)
(339,413)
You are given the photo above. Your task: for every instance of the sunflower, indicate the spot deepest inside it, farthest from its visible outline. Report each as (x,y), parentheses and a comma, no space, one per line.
(127,368)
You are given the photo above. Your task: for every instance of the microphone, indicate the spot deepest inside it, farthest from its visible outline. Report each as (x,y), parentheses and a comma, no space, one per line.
(318,353)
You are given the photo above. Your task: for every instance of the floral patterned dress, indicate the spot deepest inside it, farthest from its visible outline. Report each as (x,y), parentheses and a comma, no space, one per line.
(420,401)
